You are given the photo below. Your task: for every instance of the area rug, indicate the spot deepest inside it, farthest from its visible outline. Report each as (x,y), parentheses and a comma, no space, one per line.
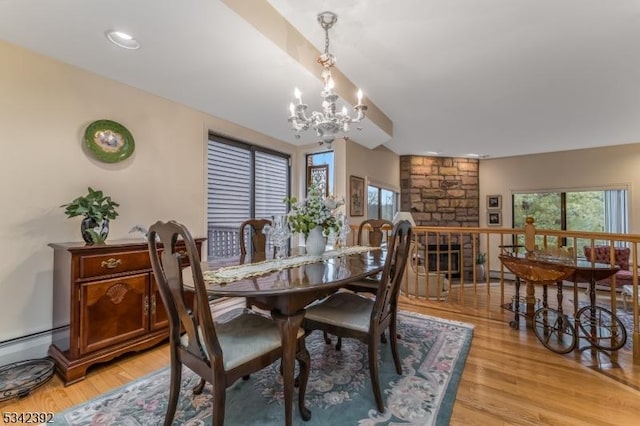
(433,353)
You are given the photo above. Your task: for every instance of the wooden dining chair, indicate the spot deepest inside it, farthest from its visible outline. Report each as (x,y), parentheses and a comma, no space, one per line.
(372,232)
(352,315)
(257,237)
(219,352)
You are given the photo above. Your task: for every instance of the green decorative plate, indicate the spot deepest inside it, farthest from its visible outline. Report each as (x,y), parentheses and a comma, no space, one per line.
(109,141)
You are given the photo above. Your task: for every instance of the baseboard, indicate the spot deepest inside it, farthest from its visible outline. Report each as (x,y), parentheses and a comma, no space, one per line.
(27,347)
(507,275)
(37,345)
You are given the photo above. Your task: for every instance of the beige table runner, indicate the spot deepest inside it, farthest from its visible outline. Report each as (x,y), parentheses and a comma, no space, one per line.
(237,272)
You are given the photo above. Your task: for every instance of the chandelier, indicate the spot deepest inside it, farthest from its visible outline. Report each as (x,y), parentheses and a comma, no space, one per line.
(328,123)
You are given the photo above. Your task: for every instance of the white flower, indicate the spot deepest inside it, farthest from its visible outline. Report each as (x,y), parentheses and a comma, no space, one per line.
(315,210)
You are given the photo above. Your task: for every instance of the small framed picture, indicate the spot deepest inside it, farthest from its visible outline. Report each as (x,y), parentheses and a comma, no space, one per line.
(356,196)
(494,202)
(494,218)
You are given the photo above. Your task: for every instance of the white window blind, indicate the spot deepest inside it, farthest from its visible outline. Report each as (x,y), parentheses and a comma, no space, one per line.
(272,184)
(229,185)
(243,182)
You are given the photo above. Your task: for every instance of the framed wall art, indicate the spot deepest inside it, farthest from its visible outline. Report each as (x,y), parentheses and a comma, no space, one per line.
(356,196)
(108,141)
(494,218)
(494,202)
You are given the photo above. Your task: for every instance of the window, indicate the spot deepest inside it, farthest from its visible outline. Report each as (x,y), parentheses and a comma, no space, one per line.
(243,182)
(592,211)
(381,203)
(320,171)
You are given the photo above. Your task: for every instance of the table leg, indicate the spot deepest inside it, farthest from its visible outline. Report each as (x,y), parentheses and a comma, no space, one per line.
(516,306)
(288,326)
(530,300)
(559,297)
(592,299)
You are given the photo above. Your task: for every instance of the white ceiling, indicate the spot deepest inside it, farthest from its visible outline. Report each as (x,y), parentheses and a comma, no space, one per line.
(490,77)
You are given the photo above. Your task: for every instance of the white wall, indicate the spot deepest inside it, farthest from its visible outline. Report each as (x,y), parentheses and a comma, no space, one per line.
(45,107)
(567,170)
(380,167)
(593,168)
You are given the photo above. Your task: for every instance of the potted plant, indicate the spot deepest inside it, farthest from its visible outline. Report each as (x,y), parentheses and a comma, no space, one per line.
(481,258)
(314,217)
(97,210)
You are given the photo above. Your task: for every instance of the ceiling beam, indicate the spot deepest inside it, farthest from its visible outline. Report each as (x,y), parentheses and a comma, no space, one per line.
(266,19)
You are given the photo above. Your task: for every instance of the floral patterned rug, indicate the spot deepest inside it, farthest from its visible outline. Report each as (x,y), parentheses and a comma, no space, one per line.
(339,392)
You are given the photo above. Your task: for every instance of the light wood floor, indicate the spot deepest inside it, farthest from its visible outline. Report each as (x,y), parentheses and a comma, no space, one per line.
(509,377)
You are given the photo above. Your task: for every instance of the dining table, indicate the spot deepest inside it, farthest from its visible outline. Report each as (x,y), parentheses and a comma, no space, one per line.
(286,286)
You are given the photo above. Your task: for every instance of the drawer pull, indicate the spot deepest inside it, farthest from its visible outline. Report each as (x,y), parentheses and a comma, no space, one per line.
(111,263)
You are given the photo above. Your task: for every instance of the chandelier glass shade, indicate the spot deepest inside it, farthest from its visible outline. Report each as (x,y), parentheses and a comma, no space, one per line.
(329,122)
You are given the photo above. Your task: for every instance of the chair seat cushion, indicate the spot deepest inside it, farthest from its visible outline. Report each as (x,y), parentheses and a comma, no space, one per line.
(244,335)
(368,284)
(344,309)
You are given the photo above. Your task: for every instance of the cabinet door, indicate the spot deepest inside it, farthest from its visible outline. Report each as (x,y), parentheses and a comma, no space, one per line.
(158,315)
(158,318)
(113,311)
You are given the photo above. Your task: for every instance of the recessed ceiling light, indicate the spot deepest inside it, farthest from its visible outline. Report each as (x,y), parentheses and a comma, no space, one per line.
(123,40)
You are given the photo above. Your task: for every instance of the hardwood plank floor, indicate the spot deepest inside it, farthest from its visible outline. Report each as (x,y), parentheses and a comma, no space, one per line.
(509,377)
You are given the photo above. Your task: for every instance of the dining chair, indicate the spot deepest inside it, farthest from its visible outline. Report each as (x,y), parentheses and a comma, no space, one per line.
(372,232)
(257,237)
(222,351)
(351,315)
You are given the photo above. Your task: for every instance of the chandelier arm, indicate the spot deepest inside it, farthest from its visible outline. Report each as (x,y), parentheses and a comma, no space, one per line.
(328,123)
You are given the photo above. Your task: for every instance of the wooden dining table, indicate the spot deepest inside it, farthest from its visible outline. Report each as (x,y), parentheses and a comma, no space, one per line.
(287,292)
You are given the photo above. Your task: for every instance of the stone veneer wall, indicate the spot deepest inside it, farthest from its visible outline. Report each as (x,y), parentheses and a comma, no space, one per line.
(442,191)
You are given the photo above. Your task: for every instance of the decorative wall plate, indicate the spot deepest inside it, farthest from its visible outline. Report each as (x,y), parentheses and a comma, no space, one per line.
(109,141)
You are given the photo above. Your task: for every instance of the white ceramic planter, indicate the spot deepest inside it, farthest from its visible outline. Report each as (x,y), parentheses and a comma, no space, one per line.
(315,243)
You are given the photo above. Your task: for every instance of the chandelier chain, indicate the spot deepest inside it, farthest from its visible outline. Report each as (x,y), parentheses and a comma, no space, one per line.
(328,122)
(326,40)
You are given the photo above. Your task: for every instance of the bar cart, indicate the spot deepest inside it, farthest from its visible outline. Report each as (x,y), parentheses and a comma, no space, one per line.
(555,330)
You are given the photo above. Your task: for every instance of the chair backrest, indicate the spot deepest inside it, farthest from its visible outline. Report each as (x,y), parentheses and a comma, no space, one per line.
(394,266)
(257,237)
(196,322)
(602,254)
(377,230)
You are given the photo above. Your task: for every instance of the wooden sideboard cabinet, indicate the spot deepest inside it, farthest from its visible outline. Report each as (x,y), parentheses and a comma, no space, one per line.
(105,303)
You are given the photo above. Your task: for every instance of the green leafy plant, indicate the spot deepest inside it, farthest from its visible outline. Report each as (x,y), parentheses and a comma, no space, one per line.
(481,257)
(94,205)
(315,210)
(97,237)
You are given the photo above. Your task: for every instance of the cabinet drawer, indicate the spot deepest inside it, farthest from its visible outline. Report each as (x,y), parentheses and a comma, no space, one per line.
(113,263)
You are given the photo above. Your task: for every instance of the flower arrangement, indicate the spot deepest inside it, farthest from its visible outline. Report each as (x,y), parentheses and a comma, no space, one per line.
(315,210)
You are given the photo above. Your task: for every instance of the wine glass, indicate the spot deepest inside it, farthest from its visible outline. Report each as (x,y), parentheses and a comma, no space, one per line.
(344,230)
(279,232)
